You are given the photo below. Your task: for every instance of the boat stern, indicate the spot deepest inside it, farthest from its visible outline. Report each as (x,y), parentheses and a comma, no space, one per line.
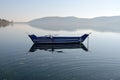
(82,38)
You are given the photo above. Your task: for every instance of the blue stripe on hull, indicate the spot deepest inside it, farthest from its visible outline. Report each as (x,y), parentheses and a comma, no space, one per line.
(56,40)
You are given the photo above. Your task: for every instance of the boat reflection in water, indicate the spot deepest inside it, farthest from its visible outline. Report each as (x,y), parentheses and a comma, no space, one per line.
(53,47)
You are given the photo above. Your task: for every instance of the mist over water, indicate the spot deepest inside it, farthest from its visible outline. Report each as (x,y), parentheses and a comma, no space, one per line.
(98,58)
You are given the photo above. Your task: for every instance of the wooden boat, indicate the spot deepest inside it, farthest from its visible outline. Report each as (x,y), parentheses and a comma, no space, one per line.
(57,40)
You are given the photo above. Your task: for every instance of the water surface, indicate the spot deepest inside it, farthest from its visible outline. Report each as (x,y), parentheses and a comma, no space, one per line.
(21,60)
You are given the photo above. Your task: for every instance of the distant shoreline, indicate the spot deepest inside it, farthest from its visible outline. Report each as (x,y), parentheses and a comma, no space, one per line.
(4,22)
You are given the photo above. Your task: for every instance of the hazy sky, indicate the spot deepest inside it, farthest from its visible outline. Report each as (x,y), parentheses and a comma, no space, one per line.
(25,10)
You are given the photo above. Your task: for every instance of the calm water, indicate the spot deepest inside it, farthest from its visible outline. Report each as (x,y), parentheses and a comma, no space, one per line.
(97,59)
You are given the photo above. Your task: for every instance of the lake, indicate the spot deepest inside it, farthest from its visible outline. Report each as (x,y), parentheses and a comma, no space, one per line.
(98,58)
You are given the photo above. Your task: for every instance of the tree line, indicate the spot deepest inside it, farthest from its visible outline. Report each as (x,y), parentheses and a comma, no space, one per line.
(4,22)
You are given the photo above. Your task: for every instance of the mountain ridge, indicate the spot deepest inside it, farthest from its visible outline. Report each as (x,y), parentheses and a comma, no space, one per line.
(104,23)
(52,17)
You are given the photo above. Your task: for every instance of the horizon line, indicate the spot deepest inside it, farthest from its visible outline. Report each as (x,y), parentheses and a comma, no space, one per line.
(63,17)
